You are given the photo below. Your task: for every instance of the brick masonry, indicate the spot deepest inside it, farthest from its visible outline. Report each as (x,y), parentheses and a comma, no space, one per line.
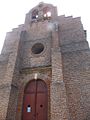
(64,65)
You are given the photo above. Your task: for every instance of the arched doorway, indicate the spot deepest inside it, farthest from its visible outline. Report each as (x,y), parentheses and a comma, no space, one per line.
(35,101)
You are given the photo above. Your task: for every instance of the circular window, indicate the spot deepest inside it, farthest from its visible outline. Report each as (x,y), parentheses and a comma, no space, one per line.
(37,48)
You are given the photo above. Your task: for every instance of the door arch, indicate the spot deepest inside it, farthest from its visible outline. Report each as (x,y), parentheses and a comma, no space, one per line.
(35,101)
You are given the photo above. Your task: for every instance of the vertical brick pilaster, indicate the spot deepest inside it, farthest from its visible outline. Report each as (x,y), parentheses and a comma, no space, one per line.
(59,110)
(4,99)
(5,85)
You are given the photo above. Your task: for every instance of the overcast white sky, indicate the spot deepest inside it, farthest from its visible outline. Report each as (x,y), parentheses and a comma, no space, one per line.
(12,13)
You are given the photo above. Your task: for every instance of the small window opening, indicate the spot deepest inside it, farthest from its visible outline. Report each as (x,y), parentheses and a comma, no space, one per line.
(28,108)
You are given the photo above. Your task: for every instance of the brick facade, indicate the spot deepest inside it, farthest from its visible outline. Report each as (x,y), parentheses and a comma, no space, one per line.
(63,63)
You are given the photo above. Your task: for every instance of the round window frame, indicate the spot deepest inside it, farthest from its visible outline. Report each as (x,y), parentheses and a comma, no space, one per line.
(39,54)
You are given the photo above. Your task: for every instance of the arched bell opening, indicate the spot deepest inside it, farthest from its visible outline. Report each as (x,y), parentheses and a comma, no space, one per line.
(35,101)
(35,14)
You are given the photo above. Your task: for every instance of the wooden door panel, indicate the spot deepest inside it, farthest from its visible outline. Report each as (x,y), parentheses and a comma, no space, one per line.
(29,99)
(41,107)
(35,96)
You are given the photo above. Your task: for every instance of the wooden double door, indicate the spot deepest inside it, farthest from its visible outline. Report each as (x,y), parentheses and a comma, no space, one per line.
(35,103)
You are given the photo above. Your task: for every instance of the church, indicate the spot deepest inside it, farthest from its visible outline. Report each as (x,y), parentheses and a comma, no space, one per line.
(45,68)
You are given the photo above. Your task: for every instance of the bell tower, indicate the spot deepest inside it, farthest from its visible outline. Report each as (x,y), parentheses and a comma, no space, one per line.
(44,68)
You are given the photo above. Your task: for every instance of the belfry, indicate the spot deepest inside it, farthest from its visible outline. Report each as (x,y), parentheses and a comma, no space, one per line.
(45,68)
